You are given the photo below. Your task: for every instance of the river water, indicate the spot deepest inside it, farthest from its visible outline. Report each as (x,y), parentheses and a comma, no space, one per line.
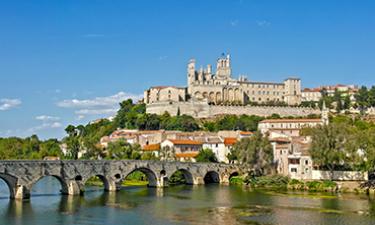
(206,204)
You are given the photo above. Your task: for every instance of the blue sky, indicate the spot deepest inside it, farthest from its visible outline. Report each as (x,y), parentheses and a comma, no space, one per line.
(69,62)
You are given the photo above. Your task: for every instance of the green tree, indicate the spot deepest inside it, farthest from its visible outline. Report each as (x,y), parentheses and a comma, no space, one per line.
(123,150)
(167,154)
(255,152)
(328,145)
(206,155)
(347,102)
(362,98)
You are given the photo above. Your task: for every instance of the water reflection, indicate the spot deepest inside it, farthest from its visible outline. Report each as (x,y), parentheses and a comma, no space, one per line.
(211,204)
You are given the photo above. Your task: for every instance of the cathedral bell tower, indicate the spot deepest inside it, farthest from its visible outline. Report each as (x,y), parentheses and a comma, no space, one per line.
(223,68)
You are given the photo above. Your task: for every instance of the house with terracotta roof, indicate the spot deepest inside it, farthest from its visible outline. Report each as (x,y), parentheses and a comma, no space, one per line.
(185,150)
(289,127)
(152,148)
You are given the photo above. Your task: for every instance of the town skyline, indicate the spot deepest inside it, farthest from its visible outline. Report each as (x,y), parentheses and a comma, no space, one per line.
(68,73)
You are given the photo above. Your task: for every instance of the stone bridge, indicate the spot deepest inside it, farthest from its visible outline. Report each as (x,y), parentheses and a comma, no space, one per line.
(21,175)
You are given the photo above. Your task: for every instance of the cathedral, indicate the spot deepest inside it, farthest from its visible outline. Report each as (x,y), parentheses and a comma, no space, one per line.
(220,88)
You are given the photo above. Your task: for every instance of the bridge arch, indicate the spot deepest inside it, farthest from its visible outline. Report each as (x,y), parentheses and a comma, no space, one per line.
(64,186)
(101,177)
(211,177)
(151,175)
(10,181)
(187,175)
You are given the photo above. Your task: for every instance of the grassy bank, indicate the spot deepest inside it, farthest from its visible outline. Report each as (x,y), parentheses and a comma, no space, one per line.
(134,179)
(277,182)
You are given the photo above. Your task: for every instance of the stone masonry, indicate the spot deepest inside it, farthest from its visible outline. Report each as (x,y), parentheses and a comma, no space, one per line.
(21,175)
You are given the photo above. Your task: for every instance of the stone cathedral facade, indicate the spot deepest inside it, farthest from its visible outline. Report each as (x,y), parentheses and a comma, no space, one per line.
(206,86)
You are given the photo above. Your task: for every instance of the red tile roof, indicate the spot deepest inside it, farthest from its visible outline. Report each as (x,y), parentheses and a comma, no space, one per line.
(185,142)
(230,141)
(187,154)
(151,147)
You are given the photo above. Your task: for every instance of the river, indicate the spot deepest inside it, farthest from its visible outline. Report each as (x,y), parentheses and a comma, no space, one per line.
(206,204)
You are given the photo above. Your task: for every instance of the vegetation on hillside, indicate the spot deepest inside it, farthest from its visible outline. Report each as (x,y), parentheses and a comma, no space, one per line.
(345,144)
(28,148)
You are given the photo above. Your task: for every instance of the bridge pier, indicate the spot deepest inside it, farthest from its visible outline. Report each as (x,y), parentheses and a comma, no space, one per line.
(198,180)
(73,188)
(112,185)
(21,192)
(162,181)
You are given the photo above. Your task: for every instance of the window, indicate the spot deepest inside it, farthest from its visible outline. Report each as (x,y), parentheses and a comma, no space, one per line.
(306,162)
(293,170)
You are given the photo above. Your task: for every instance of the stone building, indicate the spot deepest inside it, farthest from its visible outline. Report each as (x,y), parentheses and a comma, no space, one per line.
(288,127)
(311,94)
(219,87)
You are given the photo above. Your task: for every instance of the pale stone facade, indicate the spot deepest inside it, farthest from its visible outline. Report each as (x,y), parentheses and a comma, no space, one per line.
(219,88)
(311,95)
(201,109)
(289,127)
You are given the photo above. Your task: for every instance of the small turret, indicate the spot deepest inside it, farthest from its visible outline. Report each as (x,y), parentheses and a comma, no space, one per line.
(191,71)
(209,69)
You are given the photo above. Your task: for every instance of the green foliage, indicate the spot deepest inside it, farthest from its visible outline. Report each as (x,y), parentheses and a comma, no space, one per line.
(233,122)
(123,150)
(137,175)
(275,181)
(206,155)
(310,104)
(343,144)
(177,178)
(148,156)
(236,180)
(255,152)
(28,148)
(365,98)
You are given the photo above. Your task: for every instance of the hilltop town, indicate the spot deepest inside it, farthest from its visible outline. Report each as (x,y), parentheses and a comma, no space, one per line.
(217,118)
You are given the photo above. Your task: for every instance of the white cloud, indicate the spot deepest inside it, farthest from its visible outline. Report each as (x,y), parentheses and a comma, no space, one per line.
(263,23)
(163,57)
(107,105)
(48,122)
(95,111)
(44,126)
(47,118)
(6,103)
(55,125)
(234,23)
(98,101)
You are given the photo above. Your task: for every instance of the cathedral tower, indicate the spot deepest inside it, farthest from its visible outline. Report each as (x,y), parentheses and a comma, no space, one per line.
(223,68)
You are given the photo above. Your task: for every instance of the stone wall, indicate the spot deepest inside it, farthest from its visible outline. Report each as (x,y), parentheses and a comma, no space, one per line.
(340,175)
(203,110)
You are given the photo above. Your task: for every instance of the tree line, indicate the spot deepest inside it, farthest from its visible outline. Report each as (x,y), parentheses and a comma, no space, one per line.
(347,143)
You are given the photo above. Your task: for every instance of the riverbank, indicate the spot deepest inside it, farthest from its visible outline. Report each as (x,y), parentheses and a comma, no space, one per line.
(277,182)
(97,182)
